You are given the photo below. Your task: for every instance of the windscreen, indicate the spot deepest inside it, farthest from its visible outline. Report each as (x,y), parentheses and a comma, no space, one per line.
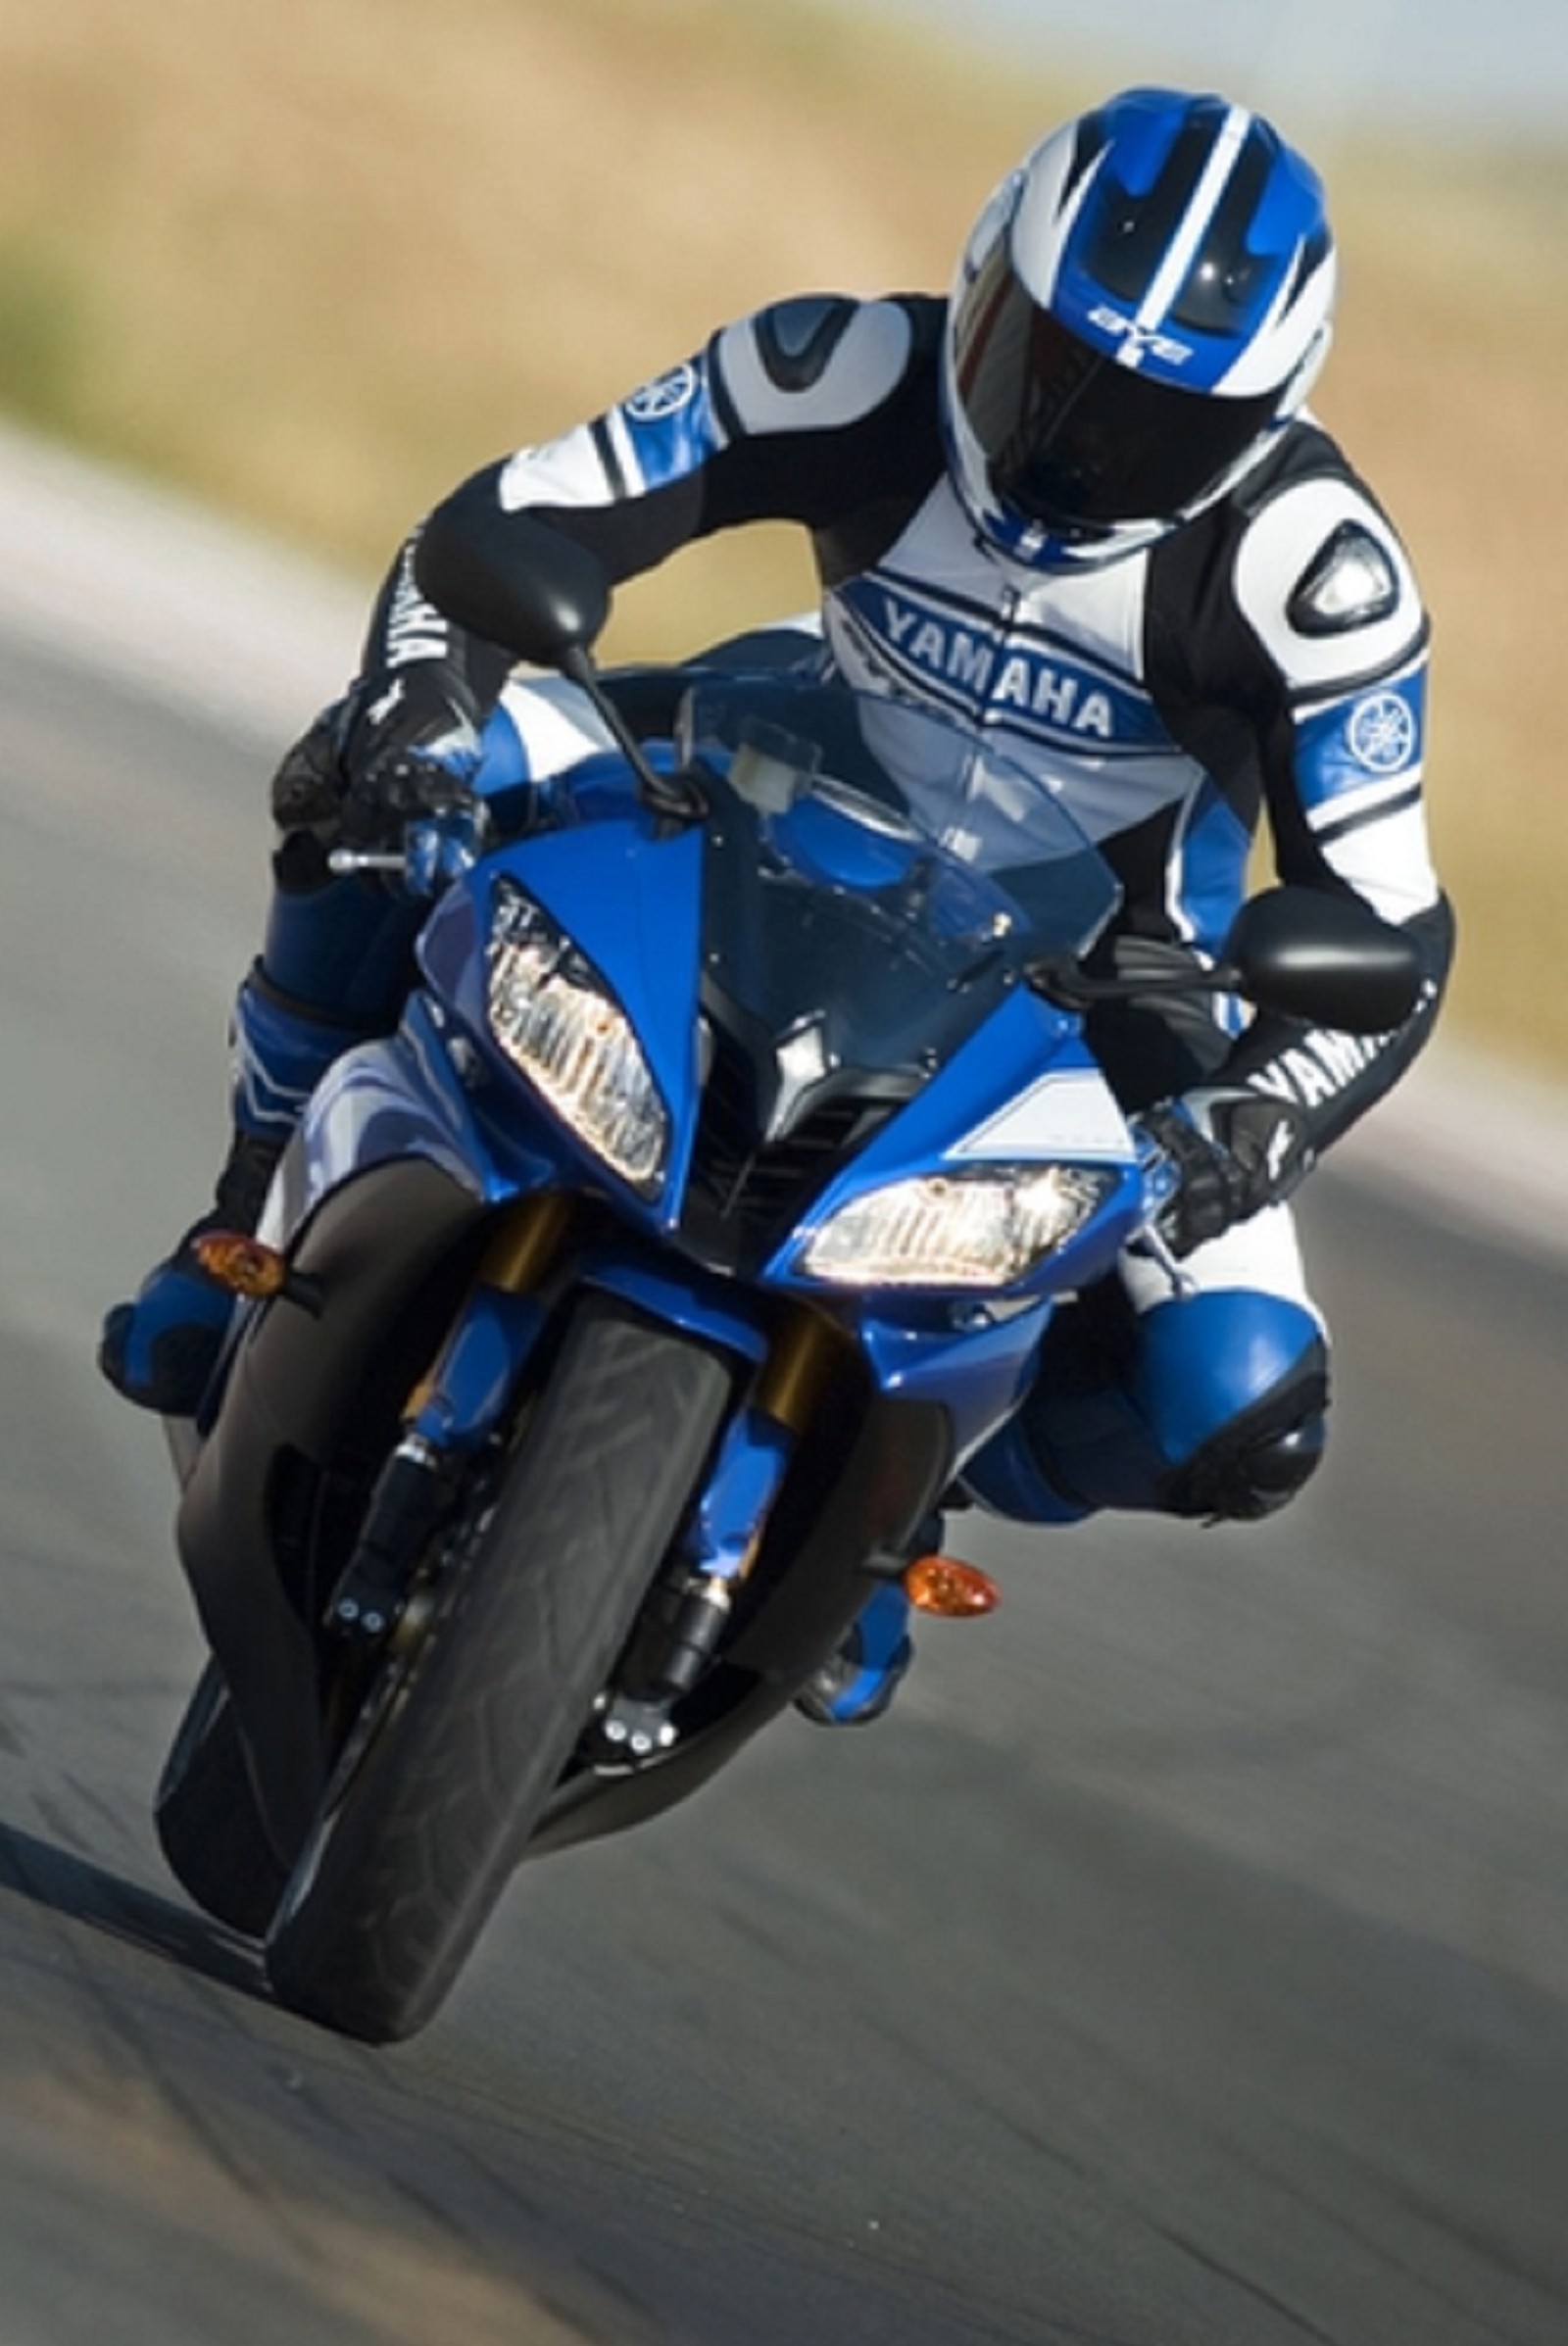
(876,869)
(875,882)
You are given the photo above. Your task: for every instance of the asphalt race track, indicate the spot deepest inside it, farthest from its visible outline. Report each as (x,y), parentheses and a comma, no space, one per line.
(1184,1964)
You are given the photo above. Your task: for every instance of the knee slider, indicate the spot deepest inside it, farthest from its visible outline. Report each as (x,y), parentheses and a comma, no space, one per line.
(1257,1464)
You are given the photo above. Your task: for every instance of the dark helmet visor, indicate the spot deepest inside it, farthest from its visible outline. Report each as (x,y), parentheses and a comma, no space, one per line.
(1072,439)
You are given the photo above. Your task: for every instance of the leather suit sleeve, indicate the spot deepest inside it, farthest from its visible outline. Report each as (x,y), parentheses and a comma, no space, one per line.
(1325,592)
(799,413)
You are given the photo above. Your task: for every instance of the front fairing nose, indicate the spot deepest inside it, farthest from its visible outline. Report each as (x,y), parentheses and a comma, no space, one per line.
(629,899)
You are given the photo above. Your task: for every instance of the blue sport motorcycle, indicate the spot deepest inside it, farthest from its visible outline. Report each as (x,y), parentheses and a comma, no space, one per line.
(613,1326)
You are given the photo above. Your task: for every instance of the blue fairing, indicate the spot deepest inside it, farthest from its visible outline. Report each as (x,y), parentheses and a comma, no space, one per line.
(632,902)
(975,1359)
(978,1373)
(1025,1040)
(817,897)
(405,1098)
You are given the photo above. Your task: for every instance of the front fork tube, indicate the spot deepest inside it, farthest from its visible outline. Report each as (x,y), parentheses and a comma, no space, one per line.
(457,1406)
(451,1414)
(723,1539)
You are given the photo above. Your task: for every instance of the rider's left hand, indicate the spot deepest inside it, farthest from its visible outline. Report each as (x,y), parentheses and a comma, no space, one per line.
(1235,1151)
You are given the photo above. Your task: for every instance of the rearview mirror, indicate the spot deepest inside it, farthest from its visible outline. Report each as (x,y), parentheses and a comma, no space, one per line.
(1327,958)
(510,578)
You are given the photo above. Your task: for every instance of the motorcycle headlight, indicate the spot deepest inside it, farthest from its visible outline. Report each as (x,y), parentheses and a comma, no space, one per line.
(975,1228)
(561,1026)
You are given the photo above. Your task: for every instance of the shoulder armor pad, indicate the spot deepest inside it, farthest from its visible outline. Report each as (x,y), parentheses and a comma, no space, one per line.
(1325,585)
(795,340)
(810,365)
(1349,582)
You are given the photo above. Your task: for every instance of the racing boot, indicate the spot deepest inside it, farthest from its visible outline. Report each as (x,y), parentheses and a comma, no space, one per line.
(857,1684)
(160,1349)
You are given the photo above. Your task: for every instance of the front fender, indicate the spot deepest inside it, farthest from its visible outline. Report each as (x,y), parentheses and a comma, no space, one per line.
(391,1250)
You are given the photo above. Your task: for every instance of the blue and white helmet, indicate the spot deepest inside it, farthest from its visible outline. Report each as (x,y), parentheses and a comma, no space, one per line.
(1142,306)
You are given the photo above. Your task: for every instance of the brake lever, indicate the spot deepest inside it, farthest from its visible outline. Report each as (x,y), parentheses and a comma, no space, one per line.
(1062,979)
(436,849)
(1161,1181)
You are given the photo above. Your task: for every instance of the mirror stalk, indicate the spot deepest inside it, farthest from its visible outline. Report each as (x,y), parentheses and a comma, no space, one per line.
(673,797)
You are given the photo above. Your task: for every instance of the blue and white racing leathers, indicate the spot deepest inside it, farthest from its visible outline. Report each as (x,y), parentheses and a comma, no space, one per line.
(1266,661)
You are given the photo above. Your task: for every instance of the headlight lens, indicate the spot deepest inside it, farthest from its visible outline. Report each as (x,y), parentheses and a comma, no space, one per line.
(970,1229)
(558,1022)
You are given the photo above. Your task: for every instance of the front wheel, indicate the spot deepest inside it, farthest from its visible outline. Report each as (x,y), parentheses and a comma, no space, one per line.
(428,1813)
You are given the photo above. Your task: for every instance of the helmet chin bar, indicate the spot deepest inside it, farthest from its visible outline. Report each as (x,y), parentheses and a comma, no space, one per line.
(1035,546)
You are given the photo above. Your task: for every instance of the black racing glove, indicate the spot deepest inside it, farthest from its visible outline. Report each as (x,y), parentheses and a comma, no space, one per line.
(1235,1150)
(378,761)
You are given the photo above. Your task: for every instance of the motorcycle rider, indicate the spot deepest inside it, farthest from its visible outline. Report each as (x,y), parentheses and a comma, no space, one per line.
(1081,504)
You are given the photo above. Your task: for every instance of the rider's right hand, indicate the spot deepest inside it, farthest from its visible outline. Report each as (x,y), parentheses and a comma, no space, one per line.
(376,762)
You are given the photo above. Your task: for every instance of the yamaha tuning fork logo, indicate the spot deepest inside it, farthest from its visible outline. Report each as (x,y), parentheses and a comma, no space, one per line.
(1381,733)
(666,396)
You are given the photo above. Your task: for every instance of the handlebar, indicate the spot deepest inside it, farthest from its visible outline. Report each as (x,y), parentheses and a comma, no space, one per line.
(436,849)
(344,860)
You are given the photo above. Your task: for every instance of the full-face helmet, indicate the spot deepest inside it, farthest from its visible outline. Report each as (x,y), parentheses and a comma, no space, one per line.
(1142,306)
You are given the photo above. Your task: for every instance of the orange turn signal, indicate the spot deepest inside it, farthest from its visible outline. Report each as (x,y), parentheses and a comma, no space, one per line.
(945,1585)
(242,1265)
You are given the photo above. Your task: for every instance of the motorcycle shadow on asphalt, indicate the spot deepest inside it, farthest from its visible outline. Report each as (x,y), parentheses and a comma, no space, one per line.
(47,1876)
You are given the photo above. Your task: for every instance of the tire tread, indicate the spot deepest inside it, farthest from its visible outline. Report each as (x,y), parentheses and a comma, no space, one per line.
(430,1833)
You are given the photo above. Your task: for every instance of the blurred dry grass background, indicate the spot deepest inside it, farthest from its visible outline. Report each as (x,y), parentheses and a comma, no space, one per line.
(317,259)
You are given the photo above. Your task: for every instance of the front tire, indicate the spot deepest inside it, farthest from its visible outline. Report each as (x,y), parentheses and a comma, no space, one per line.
(426,1817)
